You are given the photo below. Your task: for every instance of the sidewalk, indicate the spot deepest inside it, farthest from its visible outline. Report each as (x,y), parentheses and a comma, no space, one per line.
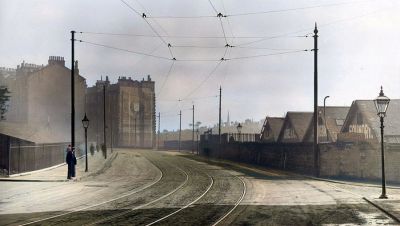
(59,173)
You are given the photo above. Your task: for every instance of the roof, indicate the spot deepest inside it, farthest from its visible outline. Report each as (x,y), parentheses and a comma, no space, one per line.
(300,122)
(31,133)
(333,114)
(368,111)
(275,124)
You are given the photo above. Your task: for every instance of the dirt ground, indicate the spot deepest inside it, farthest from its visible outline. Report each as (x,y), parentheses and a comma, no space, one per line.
(140,187)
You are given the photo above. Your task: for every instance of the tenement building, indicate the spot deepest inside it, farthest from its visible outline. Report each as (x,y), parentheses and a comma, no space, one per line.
(41,98)
(130,112)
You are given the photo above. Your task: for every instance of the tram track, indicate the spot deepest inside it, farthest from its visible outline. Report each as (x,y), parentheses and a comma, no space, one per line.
(66,213)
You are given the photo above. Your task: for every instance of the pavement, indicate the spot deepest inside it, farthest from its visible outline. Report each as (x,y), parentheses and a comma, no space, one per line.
(58,173)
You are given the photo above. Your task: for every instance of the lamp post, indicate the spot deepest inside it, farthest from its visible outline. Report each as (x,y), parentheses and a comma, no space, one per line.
(381,104)
(85,123)
(326,128)
(239,129)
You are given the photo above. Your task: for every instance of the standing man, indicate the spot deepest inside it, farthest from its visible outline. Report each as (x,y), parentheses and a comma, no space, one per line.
(70,162)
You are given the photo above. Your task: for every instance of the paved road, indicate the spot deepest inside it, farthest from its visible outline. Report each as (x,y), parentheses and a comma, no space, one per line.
(142,187)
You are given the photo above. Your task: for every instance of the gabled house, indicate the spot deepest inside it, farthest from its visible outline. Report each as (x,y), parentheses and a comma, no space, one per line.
(363,124)
(295,127)
(330,123)
(271,129)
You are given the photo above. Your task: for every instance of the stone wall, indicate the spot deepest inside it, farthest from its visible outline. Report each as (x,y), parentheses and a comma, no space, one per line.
(294,157)
(357,160)
(362,160)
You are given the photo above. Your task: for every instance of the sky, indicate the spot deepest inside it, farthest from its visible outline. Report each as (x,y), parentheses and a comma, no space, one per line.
(265,73)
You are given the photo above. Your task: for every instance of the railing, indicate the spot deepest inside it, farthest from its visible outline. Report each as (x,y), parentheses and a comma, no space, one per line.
(24,158)
(243,137)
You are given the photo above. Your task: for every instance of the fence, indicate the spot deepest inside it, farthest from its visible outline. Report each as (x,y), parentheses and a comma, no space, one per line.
(29,157)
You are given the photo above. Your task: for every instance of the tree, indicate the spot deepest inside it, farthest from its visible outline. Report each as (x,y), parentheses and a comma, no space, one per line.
(4,99)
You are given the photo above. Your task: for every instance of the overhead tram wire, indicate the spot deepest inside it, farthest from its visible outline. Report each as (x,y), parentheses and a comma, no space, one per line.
(194,60)
(144,16)
(266,55)
(166,78)
(259,12)
(294,9)
(205,79)
(124,50)
(179,36)
(154,20)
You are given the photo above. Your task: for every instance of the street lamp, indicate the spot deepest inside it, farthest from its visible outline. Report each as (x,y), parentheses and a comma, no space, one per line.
(326,128)
(239,129)
(381,104)
(85,123)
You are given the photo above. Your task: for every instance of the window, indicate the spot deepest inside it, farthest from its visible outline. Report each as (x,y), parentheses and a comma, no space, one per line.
(339,122)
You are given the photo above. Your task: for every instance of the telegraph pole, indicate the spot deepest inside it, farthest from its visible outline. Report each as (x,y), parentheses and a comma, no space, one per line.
(193,130)
(73,89)
(219,124)
(104,120)
(158,137)
(180,127)
(315,146)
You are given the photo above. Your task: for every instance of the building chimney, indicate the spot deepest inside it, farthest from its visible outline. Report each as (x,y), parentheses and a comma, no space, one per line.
(53,60)
(76,67)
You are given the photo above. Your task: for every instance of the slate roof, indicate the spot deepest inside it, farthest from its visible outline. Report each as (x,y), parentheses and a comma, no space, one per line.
(300,122)
(369,114)
(275,124)
(333,114)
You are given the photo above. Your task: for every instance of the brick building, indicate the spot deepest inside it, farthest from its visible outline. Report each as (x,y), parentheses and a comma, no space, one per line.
(130,112)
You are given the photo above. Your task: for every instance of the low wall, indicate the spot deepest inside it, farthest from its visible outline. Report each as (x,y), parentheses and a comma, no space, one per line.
(174,145)
(295,157)
(361,161)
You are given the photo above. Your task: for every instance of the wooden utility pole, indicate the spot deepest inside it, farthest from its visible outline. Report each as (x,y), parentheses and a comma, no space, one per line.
(158,136)
(193,131)
(315,146)
(73,89)
(219,123)
(180,129)
(104,120)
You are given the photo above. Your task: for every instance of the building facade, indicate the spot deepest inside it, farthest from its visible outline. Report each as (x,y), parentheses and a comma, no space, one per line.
(41,98)
(130,112)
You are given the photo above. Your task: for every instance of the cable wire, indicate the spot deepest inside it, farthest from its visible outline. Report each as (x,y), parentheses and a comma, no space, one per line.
(292,9)
(125,50)
(166,77)
(179,36)
(144,16)
(259,12)
(265,55)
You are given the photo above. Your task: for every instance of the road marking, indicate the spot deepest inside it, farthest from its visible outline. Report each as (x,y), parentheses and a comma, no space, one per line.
(237,203)
(177,211)
(98,204)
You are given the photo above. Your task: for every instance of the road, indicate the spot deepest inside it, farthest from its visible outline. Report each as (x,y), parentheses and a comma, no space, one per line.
(142,187)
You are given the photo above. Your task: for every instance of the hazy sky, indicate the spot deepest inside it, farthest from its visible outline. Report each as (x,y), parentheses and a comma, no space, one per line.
(358,50)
